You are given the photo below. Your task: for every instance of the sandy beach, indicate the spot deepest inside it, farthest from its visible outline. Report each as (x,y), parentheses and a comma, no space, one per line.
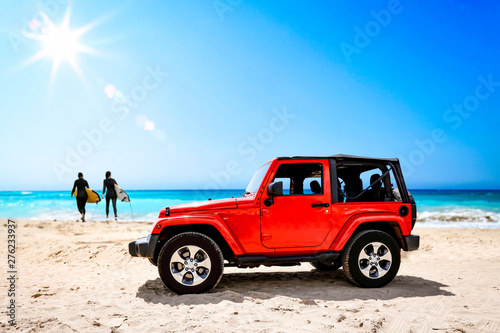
(79,277)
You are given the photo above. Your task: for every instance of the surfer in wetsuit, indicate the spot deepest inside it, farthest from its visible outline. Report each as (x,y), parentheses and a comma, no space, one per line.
(109,184)
(81,196)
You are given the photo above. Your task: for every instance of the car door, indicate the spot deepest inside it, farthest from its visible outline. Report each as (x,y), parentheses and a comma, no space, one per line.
(301,217)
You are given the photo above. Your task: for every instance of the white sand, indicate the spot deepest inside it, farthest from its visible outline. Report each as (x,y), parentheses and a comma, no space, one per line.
(79,277)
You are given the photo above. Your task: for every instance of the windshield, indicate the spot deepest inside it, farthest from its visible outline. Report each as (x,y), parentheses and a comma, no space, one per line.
(257,178)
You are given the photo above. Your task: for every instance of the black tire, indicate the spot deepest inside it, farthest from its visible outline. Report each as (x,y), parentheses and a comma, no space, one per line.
(152,261)
(321,266)
(190,263)
(364,269)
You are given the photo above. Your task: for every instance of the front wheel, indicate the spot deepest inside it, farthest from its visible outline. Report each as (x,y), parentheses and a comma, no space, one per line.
(371,259)
(190,263)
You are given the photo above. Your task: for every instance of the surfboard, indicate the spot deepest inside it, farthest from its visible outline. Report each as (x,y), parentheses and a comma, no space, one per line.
(92,196)
(121,195)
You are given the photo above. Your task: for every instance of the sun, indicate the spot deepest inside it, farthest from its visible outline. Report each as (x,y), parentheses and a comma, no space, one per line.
(59,43)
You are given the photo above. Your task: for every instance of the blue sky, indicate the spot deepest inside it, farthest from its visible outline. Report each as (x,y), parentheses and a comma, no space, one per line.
(204,92)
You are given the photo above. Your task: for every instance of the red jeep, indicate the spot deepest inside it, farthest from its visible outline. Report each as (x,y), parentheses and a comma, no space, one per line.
(295,209)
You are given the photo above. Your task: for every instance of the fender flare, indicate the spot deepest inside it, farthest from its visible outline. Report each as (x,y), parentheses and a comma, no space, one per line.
(202,219)
(356,220)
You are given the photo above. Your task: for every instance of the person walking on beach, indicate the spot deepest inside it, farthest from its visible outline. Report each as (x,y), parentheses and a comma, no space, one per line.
(81,197)
(109,184)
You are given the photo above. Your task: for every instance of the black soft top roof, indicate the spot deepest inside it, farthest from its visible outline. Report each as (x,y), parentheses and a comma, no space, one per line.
(340,157)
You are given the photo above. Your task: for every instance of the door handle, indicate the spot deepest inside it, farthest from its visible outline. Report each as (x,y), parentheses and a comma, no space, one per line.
(321,205)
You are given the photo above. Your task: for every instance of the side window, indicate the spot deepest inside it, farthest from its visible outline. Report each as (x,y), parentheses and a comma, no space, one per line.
(300,178)
(367,182)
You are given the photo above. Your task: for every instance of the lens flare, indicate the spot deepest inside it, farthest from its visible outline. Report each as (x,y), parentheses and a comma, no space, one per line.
(149,126)
(110,90)
(34,24)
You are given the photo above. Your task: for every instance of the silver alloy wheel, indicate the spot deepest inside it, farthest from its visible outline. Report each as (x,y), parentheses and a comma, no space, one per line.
(375,260)
(190,265)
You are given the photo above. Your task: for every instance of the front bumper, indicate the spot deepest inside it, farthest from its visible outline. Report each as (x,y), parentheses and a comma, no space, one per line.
(411,242)
(144,247)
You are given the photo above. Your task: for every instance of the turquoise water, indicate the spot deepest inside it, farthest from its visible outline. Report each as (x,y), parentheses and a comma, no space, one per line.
(436,208)
(144,205)
(458,208)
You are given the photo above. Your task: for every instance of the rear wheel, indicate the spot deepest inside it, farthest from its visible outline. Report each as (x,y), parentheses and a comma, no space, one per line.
(190,263)
(371,259)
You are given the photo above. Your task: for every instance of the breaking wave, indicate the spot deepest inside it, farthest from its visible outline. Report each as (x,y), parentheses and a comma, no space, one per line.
(460,218)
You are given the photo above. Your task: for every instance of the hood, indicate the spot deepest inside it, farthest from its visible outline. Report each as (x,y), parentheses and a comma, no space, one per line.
(201,205)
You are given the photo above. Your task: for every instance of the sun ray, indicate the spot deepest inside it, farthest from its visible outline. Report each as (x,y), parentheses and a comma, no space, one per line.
(37,56)
(89,26)
(53,73)
(75,67)
(66,18)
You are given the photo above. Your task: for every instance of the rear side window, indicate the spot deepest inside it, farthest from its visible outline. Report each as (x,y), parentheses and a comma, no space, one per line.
(366,182)
(300,178)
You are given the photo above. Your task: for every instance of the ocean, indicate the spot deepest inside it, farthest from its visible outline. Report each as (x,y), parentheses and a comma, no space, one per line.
(436,208)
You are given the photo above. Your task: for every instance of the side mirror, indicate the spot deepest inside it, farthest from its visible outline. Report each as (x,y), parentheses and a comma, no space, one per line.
(275,189)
